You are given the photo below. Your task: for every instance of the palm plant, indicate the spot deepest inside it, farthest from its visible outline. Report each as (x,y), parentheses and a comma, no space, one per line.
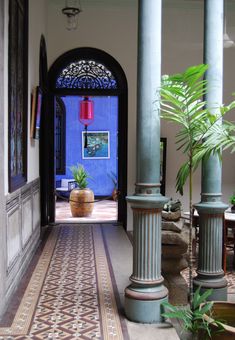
(80,175)
(201,132)
(232,199)
(194,319)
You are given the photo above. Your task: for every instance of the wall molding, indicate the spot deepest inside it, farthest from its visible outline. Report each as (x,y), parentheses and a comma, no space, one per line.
(22,231)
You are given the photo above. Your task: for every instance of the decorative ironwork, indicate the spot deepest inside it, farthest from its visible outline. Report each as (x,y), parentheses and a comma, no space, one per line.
(86,74)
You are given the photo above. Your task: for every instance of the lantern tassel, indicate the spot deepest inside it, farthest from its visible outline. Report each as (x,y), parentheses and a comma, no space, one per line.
(85,143)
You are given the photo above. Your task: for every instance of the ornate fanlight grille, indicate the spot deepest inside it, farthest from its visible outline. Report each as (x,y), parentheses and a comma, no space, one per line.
(86,74)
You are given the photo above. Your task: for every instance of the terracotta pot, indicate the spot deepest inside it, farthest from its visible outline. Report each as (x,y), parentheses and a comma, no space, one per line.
(115,194)
(78,199)
(225,312)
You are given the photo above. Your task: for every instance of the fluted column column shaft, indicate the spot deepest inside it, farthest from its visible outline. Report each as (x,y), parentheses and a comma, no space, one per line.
(211,209)
(210,234)
(148,85)
(143,297)
(146,248)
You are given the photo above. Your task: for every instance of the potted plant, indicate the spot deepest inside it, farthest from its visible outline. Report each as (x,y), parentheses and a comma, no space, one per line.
(203,320)
(113,177)
(232,201)
(82,198)
(198,320)
(201,133)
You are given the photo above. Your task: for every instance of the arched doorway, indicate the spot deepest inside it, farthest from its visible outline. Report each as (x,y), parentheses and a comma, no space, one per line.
(88,72)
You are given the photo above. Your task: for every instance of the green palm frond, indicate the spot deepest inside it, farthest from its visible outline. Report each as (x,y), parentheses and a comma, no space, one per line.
(80,175)
(201,132)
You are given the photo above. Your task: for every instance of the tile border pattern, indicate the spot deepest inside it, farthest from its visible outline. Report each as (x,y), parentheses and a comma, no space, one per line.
(23,317)
(112,326)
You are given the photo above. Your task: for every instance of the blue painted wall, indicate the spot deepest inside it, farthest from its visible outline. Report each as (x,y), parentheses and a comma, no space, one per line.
(105,119)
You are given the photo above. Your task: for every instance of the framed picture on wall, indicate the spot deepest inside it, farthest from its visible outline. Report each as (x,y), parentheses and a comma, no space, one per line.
(98,145)
(38,113)
(36,107)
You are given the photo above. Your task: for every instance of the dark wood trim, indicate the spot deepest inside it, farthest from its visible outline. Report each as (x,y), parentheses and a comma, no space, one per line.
(43,69)
(62,114)
(122,157)
(51,165)
(163,182)
(20,82)
(44,159)
(122,93)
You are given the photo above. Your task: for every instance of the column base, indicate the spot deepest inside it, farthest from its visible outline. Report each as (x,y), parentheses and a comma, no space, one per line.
(144,304)
(210,273)
(220,289)
(146,293)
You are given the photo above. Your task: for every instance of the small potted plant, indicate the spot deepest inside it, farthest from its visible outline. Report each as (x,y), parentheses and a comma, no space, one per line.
(81,198)
(113,177)
(232,201)
(198,319)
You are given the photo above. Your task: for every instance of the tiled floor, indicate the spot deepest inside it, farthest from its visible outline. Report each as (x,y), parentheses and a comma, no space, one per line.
(104,211)
(63,293)
(70,294)
(62,282)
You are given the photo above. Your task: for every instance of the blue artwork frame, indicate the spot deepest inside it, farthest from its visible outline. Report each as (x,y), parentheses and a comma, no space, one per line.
(98,145)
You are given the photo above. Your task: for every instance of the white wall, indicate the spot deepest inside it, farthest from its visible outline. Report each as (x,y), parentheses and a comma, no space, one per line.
(37,24)
(114,29)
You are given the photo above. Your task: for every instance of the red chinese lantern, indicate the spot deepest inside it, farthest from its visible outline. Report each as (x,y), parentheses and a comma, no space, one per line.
(86,114)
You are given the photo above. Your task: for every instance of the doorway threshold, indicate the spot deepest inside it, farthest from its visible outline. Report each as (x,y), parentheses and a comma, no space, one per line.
(104,212)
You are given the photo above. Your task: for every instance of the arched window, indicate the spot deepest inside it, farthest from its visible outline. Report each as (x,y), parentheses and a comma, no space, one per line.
(86,74)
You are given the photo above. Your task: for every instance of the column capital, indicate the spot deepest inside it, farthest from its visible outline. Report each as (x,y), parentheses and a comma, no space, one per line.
(147,201)
(211,208)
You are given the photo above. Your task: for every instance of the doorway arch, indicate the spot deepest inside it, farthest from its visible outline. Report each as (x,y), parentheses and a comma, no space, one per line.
(89,71)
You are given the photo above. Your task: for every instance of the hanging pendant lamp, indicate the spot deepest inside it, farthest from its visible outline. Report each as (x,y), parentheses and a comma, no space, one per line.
(86,114)
(71,11)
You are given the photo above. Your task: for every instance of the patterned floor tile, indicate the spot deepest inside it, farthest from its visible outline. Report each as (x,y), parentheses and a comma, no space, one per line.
(74,298)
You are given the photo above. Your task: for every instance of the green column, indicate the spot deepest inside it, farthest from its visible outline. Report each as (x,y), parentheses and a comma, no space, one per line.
(211,209)
(146,292)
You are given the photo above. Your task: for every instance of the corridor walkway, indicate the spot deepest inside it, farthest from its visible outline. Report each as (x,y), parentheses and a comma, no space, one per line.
(74,289)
